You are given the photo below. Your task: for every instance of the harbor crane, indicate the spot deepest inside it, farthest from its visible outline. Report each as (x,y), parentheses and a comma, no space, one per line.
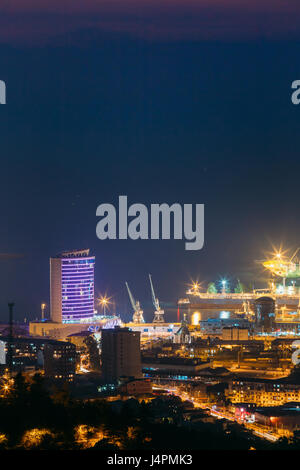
(159,313)
(282,266)
(138,314)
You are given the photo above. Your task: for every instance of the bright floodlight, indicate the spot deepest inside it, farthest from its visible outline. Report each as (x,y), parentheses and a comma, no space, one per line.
(104,301)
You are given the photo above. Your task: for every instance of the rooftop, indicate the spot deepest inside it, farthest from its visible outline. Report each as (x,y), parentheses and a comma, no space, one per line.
(74,254)
(288,409)
(80,334)
(32,339)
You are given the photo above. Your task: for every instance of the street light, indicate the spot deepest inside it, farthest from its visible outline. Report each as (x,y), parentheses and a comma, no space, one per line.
(104,302)
(194,287)
(6,385)
(43,306)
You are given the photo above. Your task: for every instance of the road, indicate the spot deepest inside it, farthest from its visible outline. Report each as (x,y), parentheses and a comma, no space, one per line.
(258,430)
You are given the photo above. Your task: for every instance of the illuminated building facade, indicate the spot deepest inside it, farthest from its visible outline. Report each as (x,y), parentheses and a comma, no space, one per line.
(29,353)
(235,334)
(60,360)
(263,392)
(215,326)
(72,287)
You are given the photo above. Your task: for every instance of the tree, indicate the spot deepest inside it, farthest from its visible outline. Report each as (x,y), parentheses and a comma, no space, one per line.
(20,390)
(239,288)
(211,289)
(105,444)
(61,395)
(93,352)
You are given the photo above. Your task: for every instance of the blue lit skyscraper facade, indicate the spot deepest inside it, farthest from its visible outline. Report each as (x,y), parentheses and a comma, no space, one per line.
(72,286)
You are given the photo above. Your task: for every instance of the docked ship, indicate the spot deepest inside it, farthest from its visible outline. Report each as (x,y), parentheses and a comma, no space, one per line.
(201,306)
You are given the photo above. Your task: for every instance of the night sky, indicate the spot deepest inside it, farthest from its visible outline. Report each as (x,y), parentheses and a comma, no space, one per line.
(188,102)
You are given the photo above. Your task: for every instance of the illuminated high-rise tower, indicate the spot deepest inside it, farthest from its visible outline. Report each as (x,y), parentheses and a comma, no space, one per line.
(72,286)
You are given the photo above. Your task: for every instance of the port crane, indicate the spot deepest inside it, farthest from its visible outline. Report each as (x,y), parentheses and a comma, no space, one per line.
(284,267)
(138,314)
(159,313)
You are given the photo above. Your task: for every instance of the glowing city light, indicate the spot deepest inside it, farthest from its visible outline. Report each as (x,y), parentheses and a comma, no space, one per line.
(196,317)
(43,306)
(279,264)
(104,301)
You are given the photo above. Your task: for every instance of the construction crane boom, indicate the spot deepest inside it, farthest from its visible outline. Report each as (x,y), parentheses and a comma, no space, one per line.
(294,254)
(138,316)
(132,301)
(159,313)
(154,299)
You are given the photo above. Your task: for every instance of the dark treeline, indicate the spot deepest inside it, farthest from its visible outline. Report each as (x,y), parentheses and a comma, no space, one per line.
(159,424)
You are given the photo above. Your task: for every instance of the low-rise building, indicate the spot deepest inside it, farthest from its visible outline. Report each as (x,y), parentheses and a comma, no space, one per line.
(26,352)
(79,339)
(136,387)
(262,392)
(215,326)
(280,417)
(60,331)
(235,334)
(166,366)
